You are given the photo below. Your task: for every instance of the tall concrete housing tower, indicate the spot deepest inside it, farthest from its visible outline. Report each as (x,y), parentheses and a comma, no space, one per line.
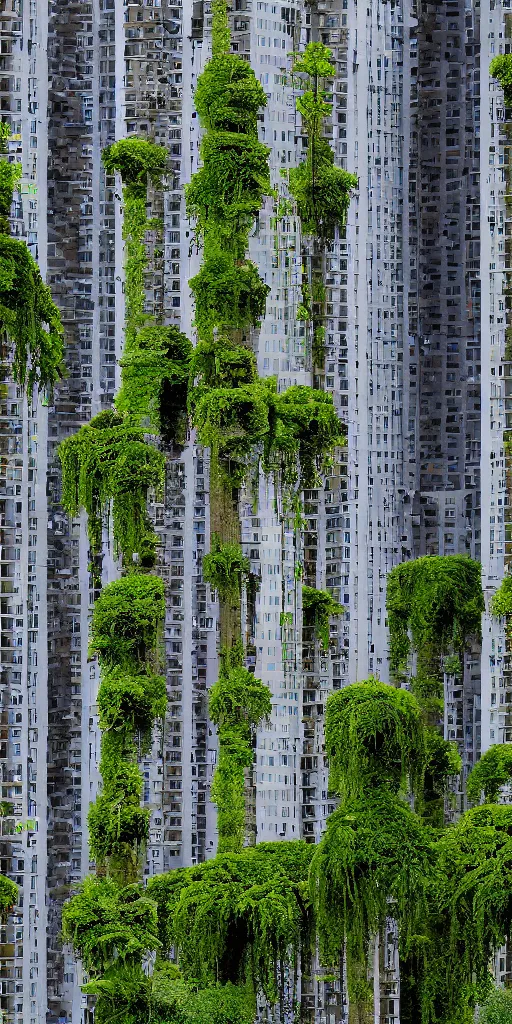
(415,360)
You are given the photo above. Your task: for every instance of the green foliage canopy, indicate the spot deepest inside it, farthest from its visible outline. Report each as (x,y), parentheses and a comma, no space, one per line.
(439,599)
(107,922)
(239,917)
(136,159)
(501,69)
(490,773)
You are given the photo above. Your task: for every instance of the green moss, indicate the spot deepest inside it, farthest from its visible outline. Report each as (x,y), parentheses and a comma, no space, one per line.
(26,306)
(374,737)
(108,460)
(127,622)
(318,608)
(490,773)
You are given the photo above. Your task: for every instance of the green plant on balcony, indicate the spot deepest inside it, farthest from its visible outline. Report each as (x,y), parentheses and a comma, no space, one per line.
(500,68)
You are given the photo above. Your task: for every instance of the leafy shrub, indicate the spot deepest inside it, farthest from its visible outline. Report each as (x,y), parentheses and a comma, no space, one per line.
(136,159)
(108,460)
(230,186)
(304,430)
(373,736)
(321,190)
(228,95)
(501,69)
(127,621)
(106,923)
(154,379)
(227,293)
(219,364)
(490,773)
(439,599)
(9,896)
(131,701)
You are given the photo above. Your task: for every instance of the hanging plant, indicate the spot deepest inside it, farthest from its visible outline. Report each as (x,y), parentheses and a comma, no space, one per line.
(374,736)
(225,569)
(118,830)
(319,607)
(242,916)
(126,622)
(26,306)
(228,293)
(490,774)
(108,460)
(439,600)
(233,421)
(374,859)
(219,363)
(304,431)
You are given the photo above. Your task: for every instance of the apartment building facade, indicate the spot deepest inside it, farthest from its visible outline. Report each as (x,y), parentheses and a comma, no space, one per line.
(415,361)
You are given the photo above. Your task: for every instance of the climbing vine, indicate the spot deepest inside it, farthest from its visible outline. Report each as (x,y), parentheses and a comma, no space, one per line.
(237,704)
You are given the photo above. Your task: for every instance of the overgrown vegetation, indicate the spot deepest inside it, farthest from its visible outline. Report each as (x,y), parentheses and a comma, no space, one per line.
(28,315)
(500,68)
(108,461)
(237,704)
(318,607)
